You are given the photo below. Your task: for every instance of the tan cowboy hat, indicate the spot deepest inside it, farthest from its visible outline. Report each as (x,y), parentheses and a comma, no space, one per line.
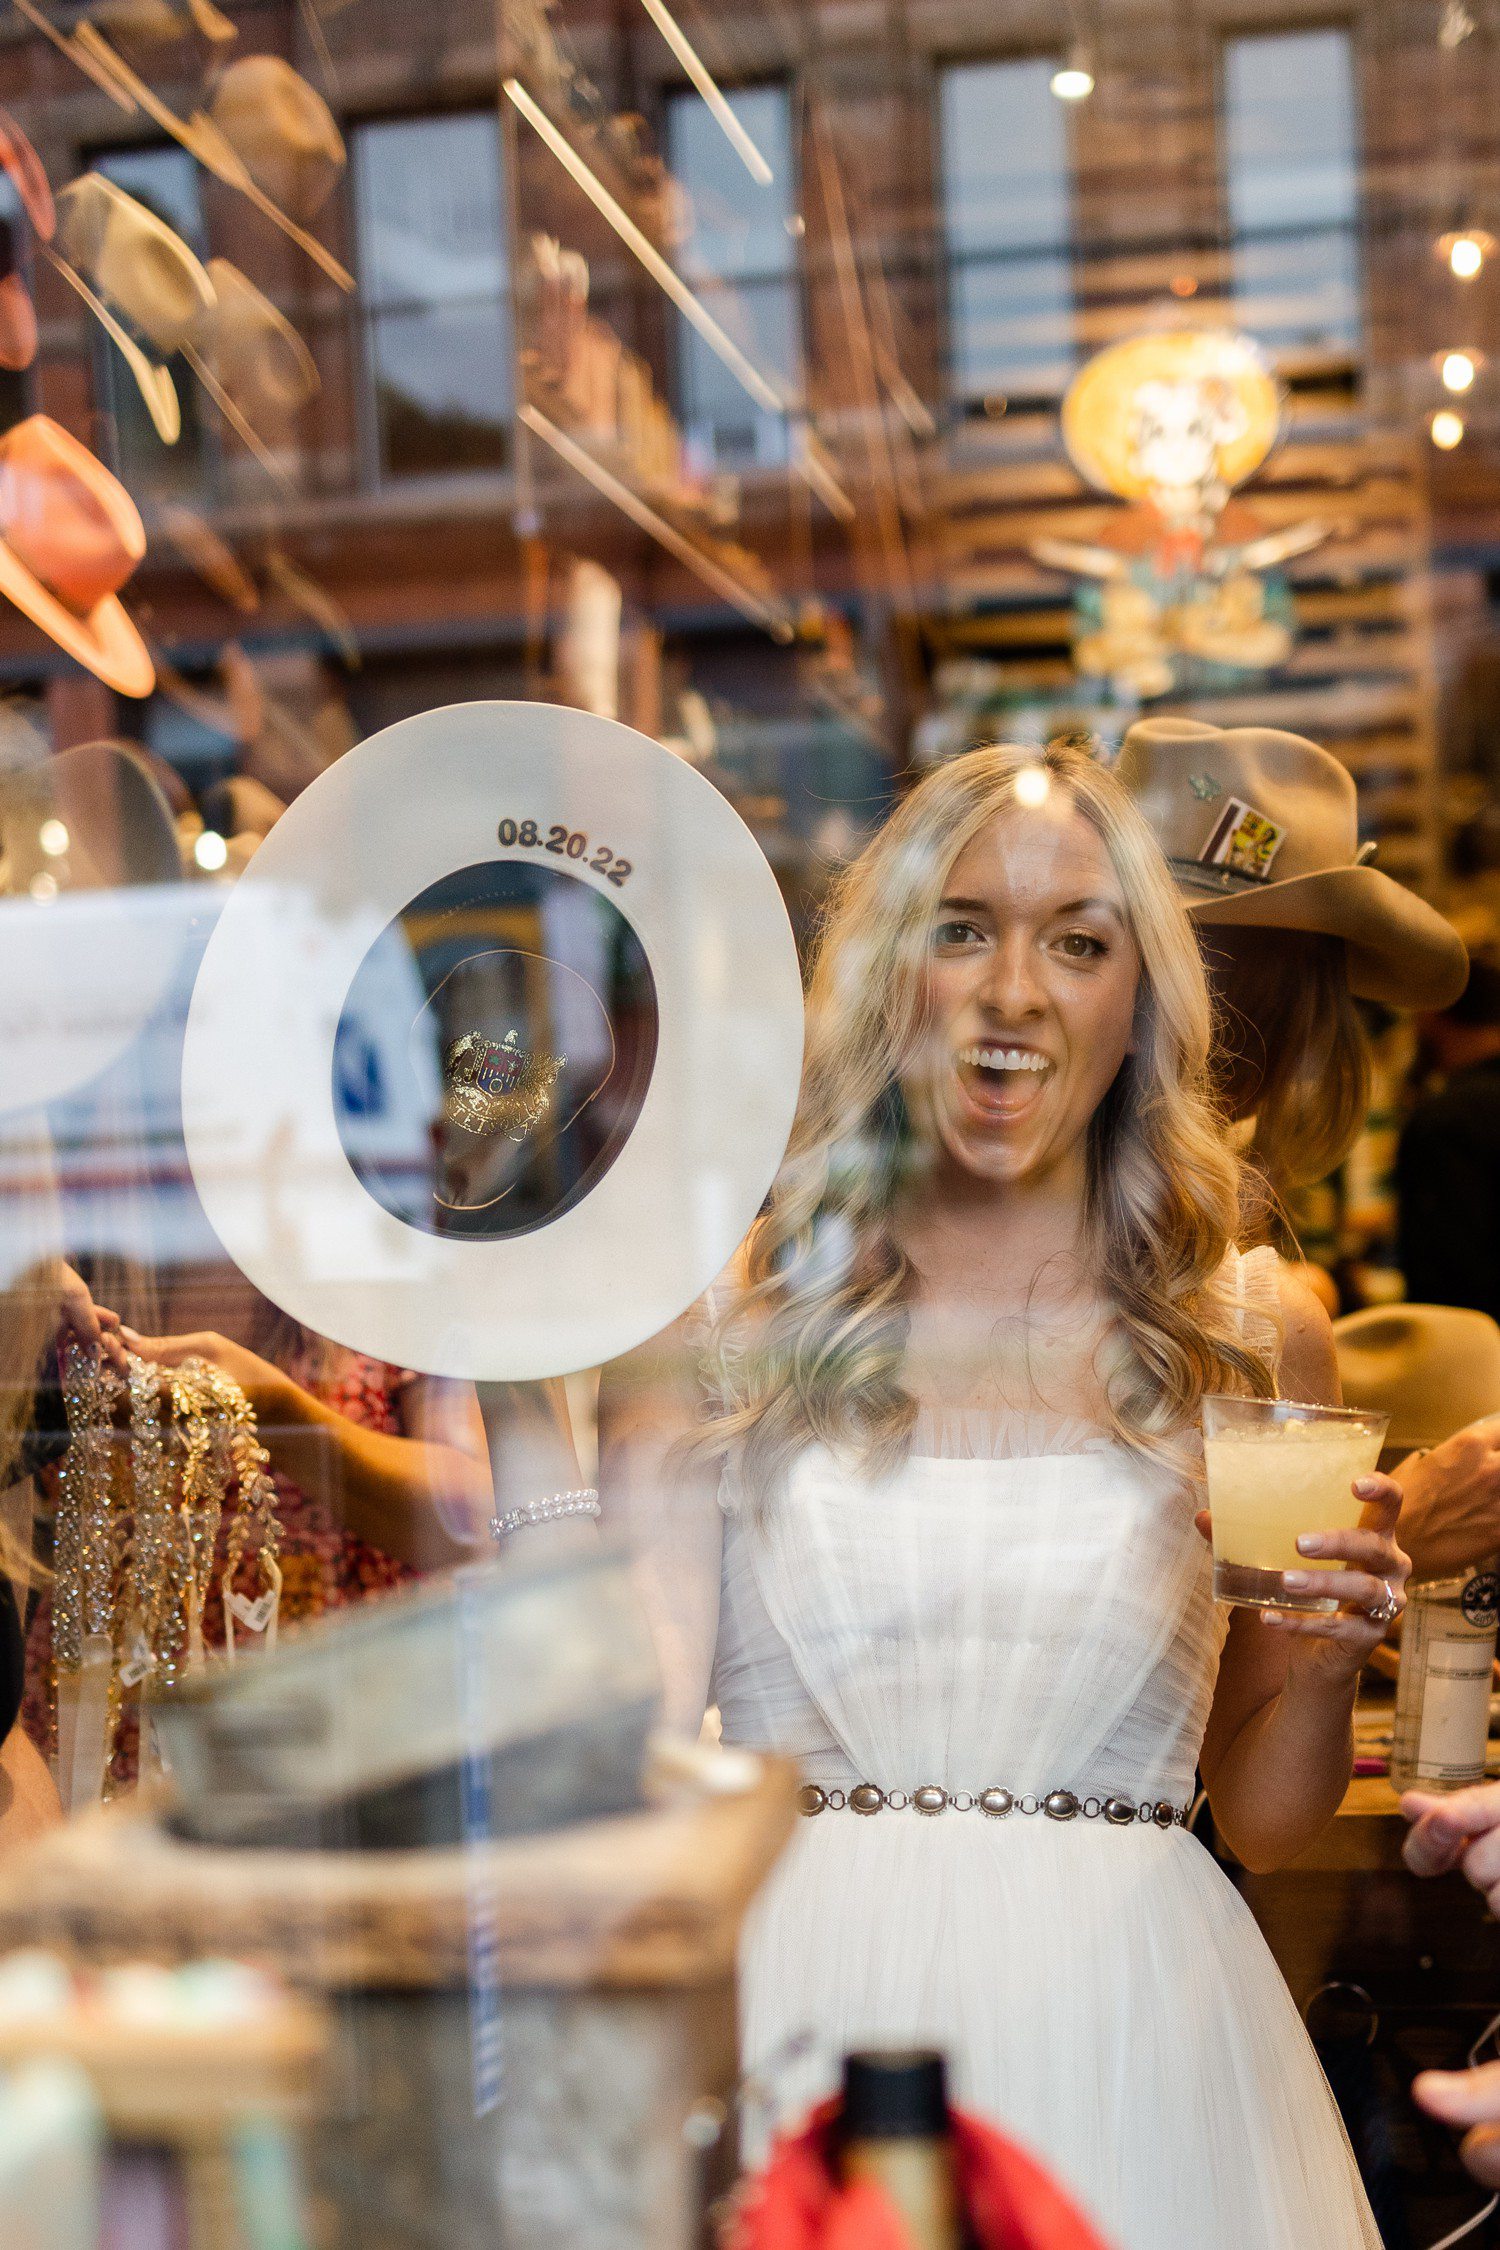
(1433,1368)
(250,347)
(70,536)
(156,23)
(1261,829)
(120,257)
(281,129)
(134,260)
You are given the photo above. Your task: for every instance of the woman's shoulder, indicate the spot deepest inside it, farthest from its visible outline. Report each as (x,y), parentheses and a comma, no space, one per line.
(1285,1315)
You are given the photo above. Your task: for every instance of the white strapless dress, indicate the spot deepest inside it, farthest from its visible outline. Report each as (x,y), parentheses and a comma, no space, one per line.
(1037,1616)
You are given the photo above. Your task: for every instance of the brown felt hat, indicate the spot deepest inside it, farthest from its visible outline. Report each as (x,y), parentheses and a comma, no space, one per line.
(70,536)
(1261,830)
(1433,1368)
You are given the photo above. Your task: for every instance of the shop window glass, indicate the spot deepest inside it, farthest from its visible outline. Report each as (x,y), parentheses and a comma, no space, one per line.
(166,180)
(1291,143)
(740,255)
(433,279)
(1007,212)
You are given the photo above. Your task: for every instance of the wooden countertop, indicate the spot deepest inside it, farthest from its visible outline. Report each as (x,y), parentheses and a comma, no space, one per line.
(651,1899)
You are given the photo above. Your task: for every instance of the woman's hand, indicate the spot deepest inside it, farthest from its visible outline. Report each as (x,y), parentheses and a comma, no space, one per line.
(1334,1645)
(1461,1830)
(1452,1499)
(89,1324)
(265,1386)
(1337,1644)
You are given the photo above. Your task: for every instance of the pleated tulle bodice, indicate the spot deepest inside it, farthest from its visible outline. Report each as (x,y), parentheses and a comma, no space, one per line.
(1001,1613)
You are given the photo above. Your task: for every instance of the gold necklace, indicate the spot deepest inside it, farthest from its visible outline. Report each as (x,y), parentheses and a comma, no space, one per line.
(135,1554)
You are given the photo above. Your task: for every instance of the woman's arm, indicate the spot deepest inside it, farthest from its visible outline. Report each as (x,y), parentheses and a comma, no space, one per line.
(424,1499)
(1279,1748)
(667,1513)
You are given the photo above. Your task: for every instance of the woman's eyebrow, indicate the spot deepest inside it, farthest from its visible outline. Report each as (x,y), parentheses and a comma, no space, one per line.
(1090,906)
(962,906)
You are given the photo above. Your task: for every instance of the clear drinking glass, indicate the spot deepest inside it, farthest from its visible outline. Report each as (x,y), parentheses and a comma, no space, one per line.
(1277,1469)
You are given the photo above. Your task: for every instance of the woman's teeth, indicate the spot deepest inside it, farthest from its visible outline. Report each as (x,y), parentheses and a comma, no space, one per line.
(1002,1058)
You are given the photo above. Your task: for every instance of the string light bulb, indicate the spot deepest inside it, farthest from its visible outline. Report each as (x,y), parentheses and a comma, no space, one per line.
(1446,429)
(1457,370)
(1033,787)
(1073,80)
(1464,251)
(210,851)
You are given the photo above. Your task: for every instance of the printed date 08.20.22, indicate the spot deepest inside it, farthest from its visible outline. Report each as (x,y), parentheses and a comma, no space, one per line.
(566,843)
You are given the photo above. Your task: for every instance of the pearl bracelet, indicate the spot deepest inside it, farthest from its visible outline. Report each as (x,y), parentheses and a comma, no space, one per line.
(556,1506)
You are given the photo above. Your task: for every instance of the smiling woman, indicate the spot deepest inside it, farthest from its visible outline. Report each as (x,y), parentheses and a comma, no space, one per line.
(1048,936)
(916,1505)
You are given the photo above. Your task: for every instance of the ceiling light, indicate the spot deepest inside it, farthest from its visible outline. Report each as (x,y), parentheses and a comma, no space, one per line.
(1458,370)
(1464,251)
(1446,429)
(1073,81)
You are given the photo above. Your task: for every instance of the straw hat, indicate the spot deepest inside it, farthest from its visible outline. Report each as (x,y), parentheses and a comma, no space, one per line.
(281,129)
(1261,829)
(250,347)
(134,260)
(1432,1368)
(70,536)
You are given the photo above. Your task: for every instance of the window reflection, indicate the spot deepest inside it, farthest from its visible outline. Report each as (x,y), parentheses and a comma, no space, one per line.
(433,281)
(1290,150)
(1006,204)
(740,255)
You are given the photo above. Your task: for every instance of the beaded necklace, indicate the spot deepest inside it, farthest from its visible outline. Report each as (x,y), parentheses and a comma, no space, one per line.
(139,1522)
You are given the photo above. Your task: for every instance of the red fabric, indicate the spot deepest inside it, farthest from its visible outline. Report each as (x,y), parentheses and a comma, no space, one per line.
(798,2202)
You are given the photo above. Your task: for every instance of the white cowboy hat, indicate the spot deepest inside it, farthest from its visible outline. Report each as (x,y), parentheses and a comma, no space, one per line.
(305,1121)
(93,915)
(1261,829)
(1433,1368)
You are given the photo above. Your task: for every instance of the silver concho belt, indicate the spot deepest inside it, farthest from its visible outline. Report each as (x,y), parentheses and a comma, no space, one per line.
(1059,1804)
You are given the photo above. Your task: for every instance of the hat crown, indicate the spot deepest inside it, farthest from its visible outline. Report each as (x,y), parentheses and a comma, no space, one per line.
(1184,775)
(64,515)
(280,128)
(1432,1368)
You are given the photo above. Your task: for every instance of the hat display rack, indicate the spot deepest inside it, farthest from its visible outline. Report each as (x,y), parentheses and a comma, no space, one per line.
(70,533)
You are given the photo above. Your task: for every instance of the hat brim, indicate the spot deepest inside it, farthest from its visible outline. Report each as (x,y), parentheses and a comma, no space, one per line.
(105,642)
(1401,951)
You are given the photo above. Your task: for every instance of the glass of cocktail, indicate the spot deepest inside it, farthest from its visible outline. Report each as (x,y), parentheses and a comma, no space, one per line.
(1277,1469)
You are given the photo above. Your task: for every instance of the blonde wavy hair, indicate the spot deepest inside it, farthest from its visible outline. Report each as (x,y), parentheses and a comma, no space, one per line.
(810,1348)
